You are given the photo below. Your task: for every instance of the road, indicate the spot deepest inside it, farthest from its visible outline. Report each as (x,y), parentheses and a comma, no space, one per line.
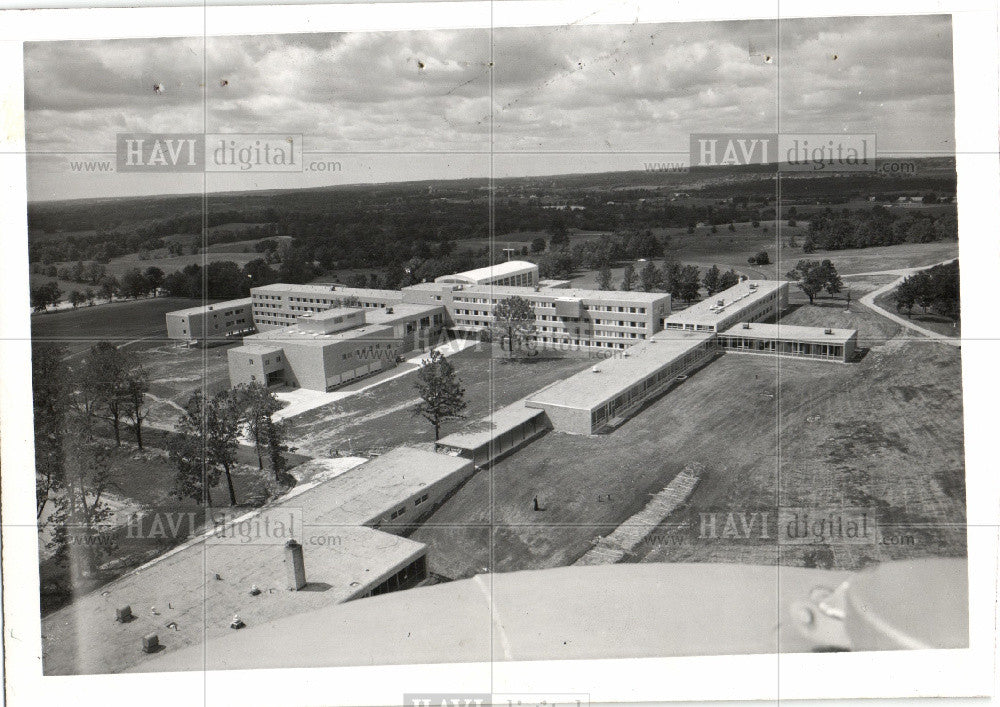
(869,301)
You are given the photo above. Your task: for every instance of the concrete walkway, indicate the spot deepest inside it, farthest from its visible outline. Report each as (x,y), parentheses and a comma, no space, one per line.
(869,301)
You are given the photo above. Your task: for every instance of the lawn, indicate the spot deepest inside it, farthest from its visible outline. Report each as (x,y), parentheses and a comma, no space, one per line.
(884,433)
(381,418)
(176,372)
(732,250)
(118,322)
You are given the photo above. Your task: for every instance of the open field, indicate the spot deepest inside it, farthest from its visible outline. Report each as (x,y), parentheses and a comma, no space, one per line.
(177,371)
(883,433)
(118,322)
(847,262)
(381,418)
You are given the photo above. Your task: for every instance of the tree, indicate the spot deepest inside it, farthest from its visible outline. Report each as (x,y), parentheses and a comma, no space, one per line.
(89,296)
(513,323)
(134,284)
(51,389)
(205,448)
(104,380)
(154,278)
(136,410)
(604,278)
(689,283)
(538,245)
(259,405)
(628,278)
(76,298)
(711,280)
(223,415)
(728,279)
(80,510)
(441,392)
(813,276)
(650,277)
(45,295)
(189,453)
(109,287)
(761,258)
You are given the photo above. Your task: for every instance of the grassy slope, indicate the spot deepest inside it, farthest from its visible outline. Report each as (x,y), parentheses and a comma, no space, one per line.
(886,432)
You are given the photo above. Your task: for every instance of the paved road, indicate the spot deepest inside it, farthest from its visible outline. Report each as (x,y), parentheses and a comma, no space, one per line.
(869,301)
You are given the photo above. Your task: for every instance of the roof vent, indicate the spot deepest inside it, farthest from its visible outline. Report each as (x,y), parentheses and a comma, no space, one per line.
(388,310)
(828,331)
(746,325)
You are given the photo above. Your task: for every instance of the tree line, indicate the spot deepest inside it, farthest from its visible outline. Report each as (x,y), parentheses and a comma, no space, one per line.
(935,289)
(878,226)
(81,413)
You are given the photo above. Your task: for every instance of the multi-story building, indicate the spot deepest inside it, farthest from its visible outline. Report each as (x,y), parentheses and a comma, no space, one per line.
(564,318)
(211,323)
(325,350)
(747,301)
(280,305)
(517,273)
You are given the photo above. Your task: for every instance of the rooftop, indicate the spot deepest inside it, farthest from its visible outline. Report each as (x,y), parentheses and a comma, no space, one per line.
(401,311)
(511,267)
(554,293)
(295,335)
(200,585)
(588,389)
(364,493)
(331,313)
(329,290)
(480,433)
(736,297)
(213,307)
(563,613)
(791,332)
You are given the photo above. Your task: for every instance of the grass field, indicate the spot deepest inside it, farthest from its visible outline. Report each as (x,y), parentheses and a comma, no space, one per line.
(729,252)
(119,322)
(176,372)
(883,433)
(381,417)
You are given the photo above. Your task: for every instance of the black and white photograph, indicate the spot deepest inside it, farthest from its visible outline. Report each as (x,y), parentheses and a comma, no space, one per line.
(546,341)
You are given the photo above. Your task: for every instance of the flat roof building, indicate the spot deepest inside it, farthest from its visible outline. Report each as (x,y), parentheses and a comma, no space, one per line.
(189,595)
(497,434)
(211,323)
(280,305)
(614,389)
(565,319)
(747,301)
(518,273)
(334,347)
(790,340)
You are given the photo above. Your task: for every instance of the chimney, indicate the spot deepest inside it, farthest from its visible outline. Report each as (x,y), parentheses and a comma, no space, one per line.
(123,614)
(296,566)
(150,643)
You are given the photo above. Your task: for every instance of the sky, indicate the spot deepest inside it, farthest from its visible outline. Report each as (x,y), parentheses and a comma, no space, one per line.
(399,106)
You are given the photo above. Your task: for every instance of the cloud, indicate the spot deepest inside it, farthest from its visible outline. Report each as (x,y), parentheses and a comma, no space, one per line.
(587,88)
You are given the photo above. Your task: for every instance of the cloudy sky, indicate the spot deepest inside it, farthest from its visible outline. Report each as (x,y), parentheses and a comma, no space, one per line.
(599,97)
